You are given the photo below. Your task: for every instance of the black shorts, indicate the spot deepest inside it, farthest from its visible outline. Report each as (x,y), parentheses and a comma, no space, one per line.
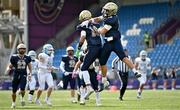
(113,46)
(68,79)
(92,54)
(19,81)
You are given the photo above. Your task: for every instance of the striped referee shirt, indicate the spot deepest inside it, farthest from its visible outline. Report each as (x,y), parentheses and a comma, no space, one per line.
(119,65)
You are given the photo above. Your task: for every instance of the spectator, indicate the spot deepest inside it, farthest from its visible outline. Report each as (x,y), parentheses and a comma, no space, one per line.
(173,77)
(154,78)
(146,39)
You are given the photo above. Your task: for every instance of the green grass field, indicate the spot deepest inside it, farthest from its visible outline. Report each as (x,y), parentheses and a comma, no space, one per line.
(151,100)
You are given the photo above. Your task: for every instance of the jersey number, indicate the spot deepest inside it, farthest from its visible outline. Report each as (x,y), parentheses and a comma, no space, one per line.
(21,64)
(71,63)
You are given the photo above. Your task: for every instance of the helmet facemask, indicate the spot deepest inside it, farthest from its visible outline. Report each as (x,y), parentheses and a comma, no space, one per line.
(50,51)
(143,57)
(70,52)
(22,51)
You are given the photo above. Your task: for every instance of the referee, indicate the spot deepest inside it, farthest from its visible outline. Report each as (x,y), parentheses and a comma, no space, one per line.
(123,69)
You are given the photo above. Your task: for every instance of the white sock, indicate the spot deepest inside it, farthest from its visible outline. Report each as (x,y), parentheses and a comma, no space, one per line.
(30,97)
(47,98)
(86,77)
(104,79)
(21,98)
(13,103)
(89,91)
(139,90)
(82,92)
(97,97)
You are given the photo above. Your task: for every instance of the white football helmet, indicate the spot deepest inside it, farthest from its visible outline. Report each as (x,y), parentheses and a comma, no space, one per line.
(69,48)
(32,54)
(70,51)
(48,49)
(143,54)
(21,46)
(109,9)
(85,15)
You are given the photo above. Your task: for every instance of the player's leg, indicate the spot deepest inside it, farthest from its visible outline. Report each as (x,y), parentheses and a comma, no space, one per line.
(82,88)
(118,49)
(65,81)
(73,87)
(124,80)
(165,83)
(23,81)
(94,82)
(41,80)
(142,81)
(105,53)
(15,83)
(49,81)
(173,85)
(32,85)
(78,87)
(90,57)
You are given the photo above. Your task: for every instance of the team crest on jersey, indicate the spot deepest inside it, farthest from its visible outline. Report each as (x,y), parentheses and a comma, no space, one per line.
(47,11)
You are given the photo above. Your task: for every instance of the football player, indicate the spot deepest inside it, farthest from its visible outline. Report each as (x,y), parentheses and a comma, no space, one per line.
(20,62)
(93,78)
(110,31)
(67,65)
(142,64)
(94,45)
(44,73)
(32,83)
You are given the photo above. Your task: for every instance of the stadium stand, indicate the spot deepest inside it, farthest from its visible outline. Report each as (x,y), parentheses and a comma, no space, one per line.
(147,17)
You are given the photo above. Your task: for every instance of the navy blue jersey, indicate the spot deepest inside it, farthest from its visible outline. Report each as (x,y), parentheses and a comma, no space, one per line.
(92,40)
(114,23)
(20,64)
(69,63)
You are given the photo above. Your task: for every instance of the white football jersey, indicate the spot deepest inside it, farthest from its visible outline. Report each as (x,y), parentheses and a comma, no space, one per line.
(143,65)
(47,62)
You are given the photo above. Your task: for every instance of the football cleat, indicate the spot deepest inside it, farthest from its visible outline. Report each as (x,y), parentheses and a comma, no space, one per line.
(13,106)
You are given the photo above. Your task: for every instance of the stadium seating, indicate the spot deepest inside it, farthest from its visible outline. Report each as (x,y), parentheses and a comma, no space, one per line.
(146,17)
(166,55)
